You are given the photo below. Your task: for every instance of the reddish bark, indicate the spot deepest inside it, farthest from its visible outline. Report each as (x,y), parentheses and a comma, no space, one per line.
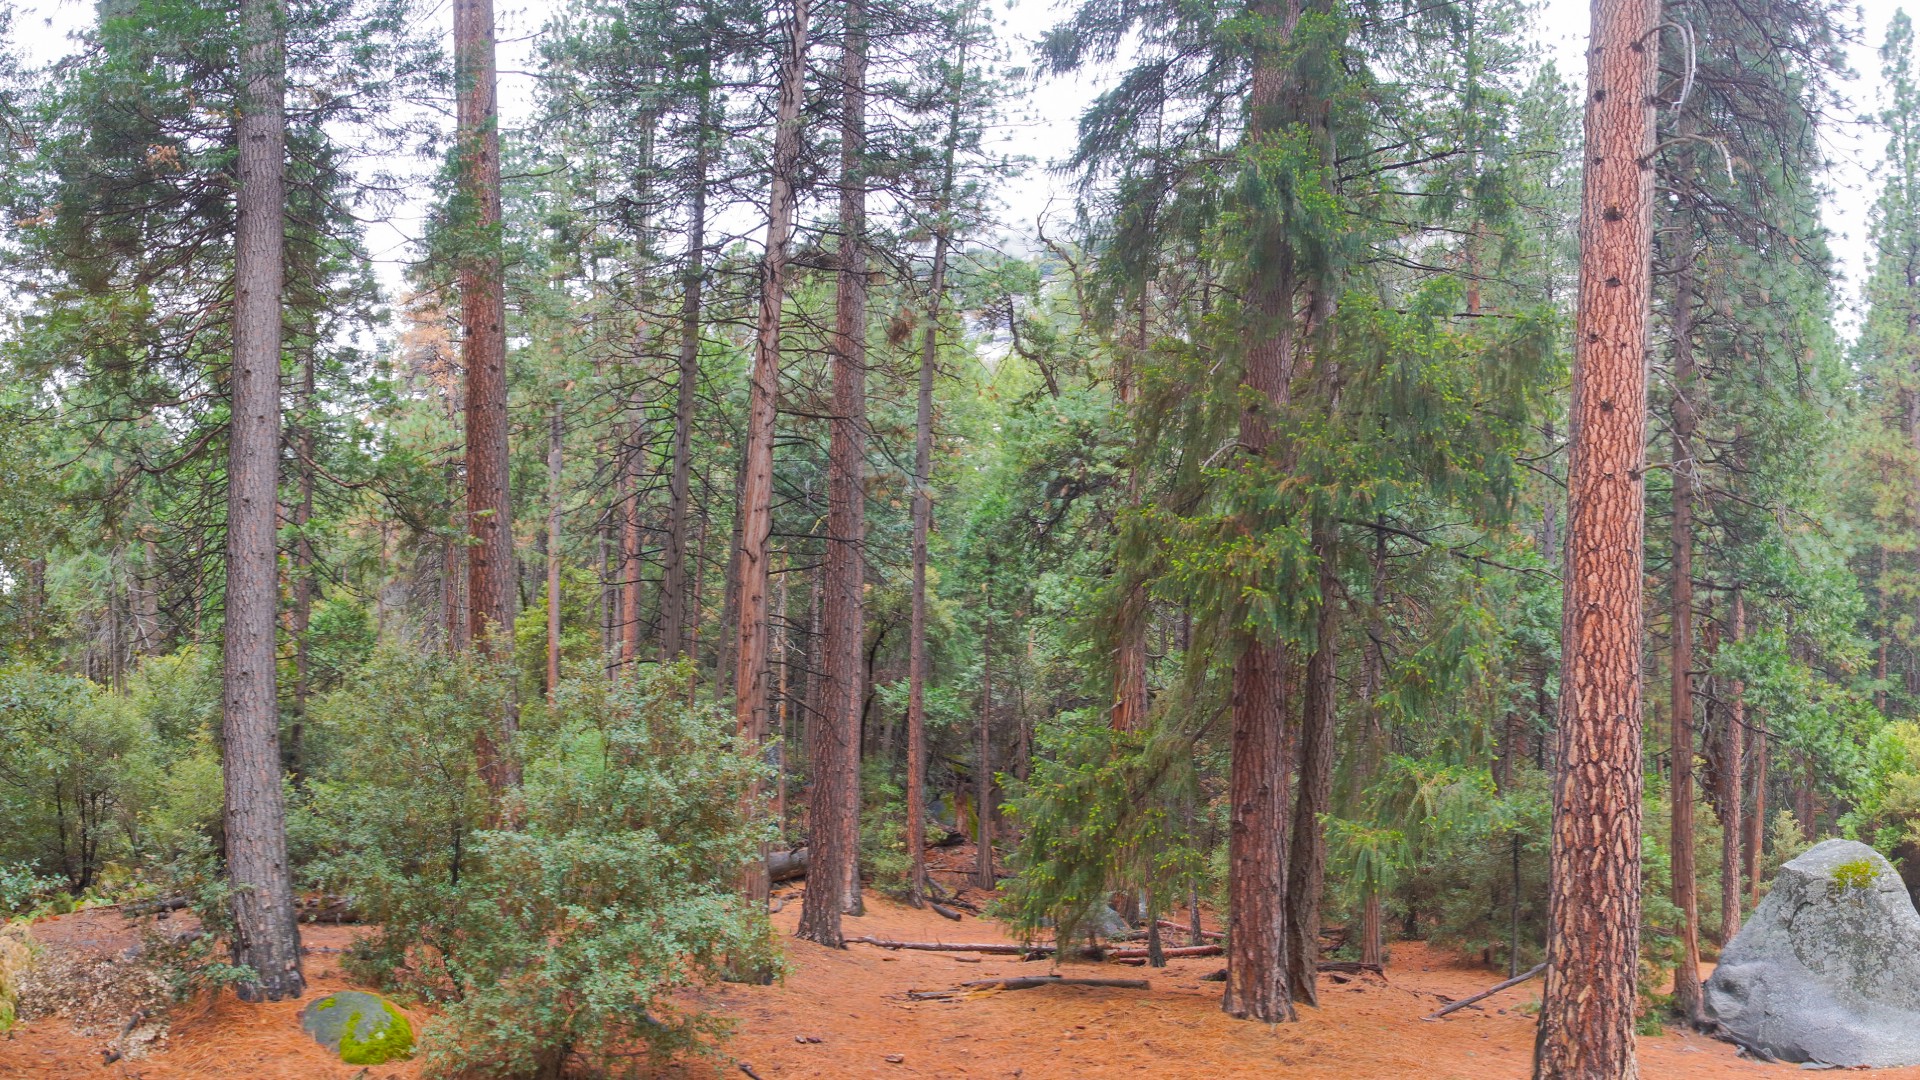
(755,519)
(1593,936)
(483,353)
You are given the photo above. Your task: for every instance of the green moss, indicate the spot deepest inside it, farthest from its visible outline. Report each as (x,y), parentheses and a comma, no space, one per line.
(363,1028)
(1860,874)
(392,1041)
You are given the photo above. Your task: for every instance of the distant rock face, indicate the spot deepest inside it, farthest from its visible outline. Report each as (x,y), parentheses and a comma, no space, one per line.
(1827,970)
(364,1029)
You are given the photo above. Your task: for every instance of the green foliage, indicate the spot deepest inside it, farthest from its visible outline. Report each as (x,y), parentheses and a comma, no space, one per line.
(1855,876)
(569,932)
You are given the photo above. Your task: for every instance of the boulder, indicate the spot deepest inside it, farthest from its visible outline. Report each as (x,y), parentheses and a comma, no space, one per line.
(1827,970)
(364,1029)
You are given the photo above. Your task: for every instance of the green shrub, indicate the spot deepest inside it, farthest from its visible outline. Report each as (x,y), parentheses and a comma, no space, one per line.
(565,935)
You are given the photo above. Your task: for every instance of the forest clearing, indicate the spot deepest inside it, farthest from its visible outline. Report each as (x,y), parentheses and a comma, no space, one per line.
(610,539)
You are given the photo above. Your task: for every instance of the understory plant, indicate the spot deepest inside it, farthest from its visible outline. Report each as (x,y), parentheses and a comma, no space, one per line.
(559,932)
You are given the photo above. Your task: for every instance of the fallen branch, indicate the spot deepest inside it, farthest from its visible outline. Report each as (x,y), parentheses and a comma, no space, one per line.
(1025,983)
(1169,952)
(942,909)
(1210,935)
(942,946)
(1488,992)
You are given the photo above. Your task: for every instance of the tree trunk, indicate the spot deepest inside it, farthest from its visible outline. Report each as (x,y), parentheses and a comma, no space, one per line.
(1593,928)
(300,618)
(1307,865)
(834,810)
(983,767)
(265,935)
(554,462)
(1686,977)
(633,459)
(1732,784)
(1257,843)
(756,494)
(917,881)
(483,353)
(674,589)
(1373,665)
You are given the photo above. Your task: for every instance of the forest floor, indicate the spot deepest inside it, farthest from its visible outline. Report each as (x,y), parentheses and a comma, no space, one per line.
(846,1014)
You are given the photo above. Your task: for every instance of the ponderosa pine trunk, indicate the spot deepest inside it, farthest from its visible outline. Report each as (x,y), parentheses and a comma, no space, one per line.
(483,353)
(834,809)
(1686,894)
(917,880)
(755,517)
(674,587)
(554,497)
(1586,1029)
(1307,861)
(265,935)
(1373,666)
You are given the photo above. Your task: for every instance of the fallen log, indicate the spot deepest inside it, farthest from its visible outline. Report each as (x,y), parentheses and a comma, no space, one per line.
(1210,935)
(1170,952)
(1349,967)
(151,907)
(1026,983)
(1488,992)
(944,910)
(787,865)
(995,948)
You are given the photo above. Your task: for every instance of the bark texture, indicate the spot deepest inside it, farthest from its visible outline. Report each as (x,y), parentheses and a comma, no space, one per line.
(1593,933)
(1307,861)
(834,812)
(755,519)
(554,462)
(266,936)
(483,353)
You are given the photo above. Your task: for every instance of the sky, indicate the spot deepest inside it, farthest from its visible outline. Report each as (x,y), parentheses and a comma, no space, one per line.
(1041,127)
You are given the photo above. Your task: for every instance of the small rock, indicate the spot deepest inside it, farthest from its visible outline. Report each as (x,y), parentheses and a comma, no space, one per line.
(364,1029)
(896,1058)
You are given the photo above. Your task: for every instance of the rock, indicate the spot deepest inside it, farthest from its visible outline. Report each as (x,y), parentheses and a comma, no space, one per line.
(364,1029)
(1827,970)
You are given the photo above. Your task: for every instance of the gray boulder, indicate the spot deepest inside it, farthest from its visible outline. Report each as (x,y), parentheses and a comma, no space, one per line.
(1828,968)
(363,1028)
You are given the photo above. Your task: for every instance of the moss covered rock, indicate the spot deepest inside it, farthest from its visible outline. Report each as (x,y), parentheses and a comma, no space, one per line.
(364,1029)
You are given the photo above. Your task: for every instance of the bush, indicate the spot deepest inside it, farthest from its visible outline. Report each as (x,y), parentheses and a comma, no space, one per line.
(562,937)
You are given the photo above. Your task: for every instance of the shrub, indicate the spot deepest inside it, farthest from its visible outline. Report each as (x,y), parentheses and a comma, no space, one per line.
(564,936)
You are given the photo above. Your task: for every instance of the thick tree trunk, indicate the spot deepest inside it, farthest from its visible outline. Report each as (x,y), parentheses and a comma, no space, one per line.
(1686,977)
(1259,797)
(554,462)
(755,516)
(265,935)
(483,353)
(1593,928)
(1307,864)
(834,811)
(674,588)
